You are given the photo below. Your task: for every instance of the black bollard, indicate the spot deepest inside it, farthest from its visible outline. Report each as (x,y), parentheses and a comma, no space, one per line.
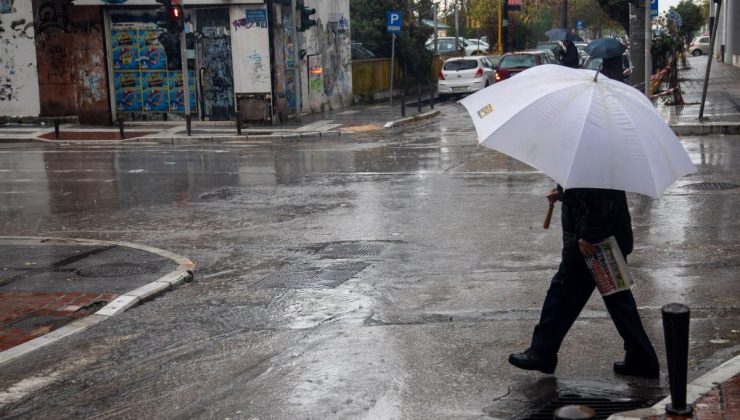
(403,102)
(238,124)
(572,412)
(431,96)
(676,330)
(188,124)
(120,128)
(418,98)
(56,128)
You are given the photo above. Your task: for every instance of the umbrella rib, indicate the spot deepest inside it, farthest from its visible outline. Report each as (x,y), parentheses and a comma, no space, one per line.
(642,146)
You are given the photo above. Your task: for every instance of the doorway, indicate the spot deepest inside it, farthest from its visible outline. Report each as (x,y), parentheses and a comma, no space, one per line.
(214,64)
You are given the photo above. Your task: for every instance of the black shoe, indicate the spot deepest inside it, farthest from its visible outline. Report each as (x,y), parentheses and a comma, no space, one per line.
(643,371)
(529,360)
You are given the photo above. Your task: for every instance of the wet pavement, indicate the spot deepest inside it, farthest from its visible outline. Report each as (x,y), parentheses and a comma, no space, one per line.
(386,274)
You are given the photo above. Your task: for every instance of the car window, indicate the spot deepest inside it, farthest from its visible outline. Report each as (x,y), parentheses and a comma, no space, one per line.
(593,63)
(460,65)
(445,45)
(512,61)
(704,40)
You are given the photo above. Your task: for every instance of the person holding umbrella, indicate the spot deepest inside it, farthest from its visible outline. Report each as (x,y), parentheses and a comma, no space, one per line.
(570,58)
(589,215)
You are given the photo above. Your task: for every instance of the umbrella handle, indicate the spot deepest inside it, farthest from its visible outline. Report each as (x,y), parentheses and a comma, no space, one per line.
(549,216)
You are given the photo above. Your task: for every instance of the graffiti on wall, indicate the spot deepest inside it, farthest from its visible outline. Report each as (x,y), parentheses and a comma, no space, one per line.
(334,44)
(55,15)
(19,90)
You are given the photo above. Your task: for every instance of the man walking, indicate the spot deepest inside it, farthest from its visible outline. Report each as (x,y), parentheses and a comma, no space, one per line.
(589,216)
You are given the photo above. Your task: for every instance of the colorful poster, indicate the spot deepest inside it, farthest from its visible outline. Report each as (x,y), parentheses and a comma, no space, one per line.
(151,52)
(154,91)
(125,50)
(127,86)
(177,93)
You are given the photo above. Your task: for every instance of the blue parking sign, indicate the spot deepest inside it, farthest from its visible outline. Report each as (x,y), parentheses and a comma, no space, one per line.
(394,22)
(653,8)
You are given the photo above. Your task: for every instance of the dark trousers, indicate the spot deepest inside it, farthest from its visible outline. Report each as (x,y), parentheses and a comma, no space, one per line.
(569,291)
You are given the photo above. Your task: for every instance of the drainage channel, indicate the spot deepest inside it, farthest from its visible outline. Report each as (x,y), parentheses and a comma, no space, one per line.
(603,405)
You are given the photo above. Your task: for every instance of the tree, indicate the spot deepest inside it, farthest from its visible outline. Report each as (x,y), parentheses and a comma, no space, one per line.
(369,27)
(692,16)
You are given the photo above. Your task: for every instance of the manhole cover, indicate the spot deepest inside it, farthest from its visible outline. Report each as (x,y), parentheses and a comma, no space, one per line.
(309,277)
(710,186)
(602,405)
(120,269)
(340,250)
(32,323)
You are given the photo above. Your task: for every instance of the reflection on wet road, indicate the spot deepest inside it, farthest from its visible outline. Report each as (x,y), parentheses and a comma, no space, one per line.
(383,276)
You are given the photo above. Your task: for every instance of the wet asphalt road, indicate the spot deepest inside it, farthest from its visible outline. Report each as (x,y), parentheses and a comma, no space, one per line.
(385,276)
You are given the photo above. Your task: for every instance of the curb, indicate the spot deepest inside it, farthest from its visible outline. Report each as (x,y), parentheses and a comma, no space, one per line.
(183,273)
(407,120)
(706,128)
(694,391)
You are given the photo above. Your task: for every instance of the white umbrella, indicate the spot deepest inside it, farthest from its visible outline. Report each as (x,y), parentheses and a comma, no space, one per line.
(581,130)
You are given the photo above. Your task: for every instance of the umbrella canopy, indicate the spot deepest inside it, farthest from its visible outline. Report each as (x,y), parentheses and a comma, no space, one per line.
(562,34)
(583,131)
(605,48)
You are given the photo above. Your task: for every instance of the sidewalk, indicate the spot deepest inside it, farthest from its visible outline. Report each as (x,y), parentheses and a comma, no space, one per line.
(51,288)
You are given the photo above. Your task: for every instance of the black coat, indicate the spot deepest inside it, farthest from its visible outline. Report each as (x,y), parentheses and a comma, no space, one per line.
(594,215)
(571,58)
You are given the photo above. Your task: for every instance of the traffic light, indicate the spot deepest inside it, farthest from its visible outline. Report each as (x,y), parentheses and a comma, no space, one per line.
(174,15)
(306,12)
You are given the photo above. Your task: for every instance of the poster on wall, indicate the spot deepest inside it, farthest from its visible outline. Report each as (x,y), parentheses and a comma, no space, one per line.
(151,52)
(127,86)
(124,50)
(155,91)
(177,93)
(142,82)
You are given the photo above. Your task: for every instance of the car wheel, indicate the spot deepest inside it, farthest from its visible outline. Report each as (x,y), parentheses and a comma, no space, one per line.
(696,53)
(442,96)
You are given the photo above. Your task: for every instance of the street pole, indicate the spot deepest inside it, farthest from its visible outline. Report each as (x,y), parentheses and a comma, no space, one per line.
(564,17)
(185,79)
(434,16)
(499,47)
(296,63)
(393,65)
(709,60)
(648,37)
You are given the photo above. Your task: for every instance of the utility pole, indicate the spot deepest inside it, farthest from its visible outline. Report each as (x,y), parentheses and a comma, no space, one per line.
(564,17)
(296,62)
(637,44)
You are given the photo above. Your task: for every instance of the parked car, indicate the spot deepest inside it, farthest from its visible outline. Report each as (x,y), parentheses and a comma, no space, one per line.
(594,63)
(359,52)
(554,46)
(479,46)
(516,62)
(699,46)
(447,45)
(462,75)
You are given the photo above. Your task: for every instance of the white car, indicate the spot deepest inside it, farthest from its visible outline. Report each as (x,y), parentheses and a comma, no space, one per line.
(446,45)
(463,75)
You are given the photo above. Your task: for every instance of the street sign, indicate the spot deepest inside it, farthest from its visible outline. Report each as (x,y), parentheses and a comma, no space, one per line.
(579,24)
(653,8)
(393,21)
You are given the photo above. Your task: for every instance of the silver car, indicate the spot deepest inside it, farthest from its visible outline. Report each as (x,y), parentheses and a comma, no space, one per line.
(465,75)
(699,46)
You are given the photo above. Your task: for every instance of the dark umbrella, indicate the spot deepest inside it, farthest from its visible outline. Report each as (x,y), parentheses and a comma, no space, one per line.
(605,48)
(562,34)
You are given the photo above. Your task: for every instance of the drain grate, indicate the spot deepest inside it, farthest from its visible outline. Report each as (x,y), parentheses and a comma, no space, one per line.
(603,406)
(302,277)
(340,250)
(32,323)
(710,186)
(118,269)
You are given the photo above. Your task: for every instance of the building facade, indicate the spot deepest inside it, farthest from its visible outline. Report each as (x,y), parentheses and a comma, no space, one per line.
(102,60)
